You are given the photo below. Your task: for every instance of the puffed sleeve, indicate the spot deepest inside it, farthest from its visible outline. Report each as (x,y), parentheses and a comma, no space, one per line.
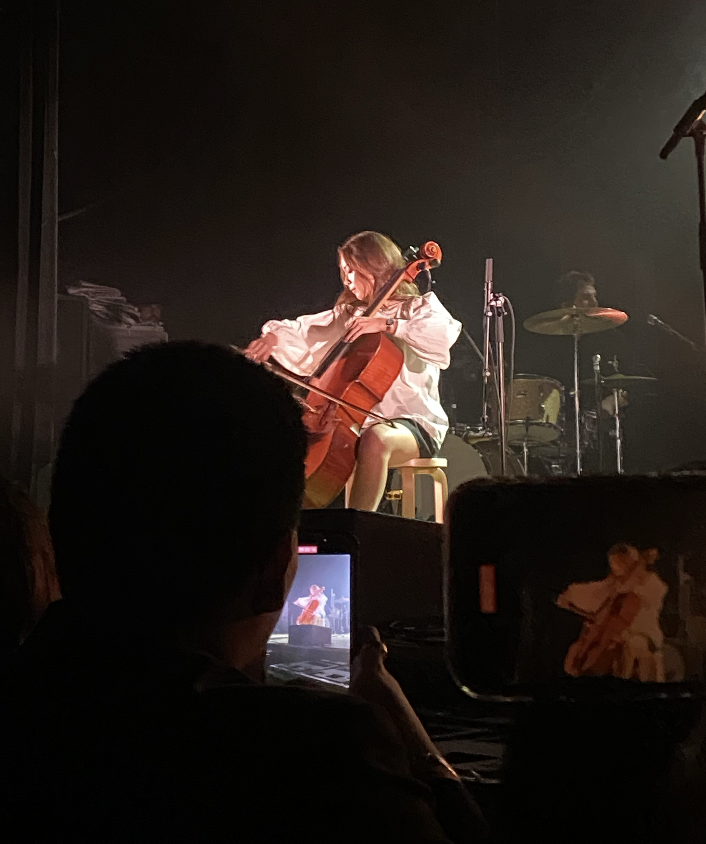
(303,341)
(430,330)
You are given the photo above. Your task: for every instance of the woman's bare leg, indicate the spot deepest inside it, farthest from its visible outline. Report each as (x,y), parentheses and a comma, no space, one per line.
(379,446)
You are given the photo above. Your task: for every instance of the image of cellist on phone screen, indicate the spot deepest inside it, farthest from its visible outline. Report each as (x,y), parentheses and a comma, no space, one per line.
(313,606)
(621,634)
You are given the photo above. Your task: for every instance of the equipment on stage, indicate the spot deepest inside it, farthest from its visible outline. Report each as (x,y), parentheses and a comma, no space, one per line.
(618,381)
(575,322)
(536,410)
(536,413)
(612,392)
(567,322)
(533,424)
(495,308)
(480,460)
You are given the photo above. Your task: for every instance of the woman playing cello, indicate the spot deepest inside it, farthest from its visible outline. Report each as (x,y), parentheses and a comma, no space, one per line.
(420,325)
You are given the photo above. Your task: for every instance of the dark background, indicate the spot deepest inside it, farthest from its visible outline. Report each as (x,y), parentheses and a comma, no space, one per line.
(218,153)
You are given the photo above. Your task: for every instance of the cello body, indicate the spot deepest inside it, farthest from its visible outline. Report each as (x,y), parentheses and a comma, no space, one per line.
(308,614)
(362,375)
(598,648)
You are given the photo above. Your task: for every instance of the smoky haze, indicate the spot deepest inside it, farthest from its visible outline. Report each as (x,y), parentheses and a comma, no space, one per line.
(221,151)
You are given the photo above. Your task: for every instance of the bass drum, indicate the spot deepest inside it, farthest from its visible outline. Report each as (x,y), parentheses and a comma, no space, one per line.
(466,462)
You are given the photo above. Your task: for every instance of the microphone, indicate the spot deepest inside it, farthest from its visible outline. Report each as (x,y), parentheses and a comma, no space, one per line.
(597,364)
(683,129)
(488,280)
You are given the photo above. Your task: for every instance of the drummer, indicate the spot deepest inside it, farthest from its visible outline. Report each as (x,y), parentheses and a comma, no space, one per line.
(577,289)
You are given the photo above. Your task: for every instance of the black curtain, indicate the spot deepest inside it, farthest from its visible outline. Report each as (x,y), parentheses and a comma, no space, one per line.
(28,266)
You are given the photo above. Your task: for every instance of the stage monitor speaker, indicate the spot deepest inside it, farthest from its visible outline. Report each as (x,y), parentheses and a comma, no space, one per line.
(86,345)
(398,565)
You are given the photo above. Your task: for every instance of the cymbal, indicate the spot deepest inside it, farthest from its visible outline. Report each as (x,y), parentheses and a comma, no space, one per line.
(618,381)
(570,321)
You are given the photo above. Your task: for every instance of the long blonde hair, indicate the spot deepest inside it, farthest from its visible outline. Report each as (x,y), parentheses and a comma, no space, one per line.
(378,255)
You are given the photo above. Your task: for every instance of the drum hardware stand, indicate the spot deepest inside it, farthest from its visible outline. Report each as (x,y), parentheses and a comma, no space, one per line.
(618,429)
(487,314)
(618,434)
(525,451)
(494,312)
(598,383)
(497,304)
(577,399)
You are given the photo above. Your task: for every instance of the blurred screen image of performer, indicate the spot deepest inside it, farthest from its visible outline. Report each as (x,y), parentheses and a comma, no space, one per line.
(313,606)
(622,635)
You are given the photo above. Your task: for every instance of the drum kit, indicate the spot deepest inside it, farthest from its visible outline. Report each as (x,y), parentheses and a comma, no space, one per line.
(537,438)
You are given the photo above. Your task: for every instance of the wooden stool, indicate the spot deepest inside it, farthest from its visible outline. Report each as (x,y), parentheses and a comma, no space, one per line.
(432,466)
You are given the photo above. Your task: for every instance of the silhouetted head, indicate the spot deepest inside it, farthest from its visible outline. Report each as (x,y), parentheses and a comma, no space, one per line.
(578,289)
(177,486)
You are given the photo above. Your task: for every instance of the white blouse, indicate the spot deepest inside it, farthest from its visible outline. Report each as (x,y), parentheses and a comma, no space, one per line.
(425,332)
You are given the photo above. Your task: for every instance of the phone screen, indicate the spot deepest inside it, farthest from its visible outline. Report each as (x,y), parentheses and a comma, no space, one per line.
(577,585)
(312,639)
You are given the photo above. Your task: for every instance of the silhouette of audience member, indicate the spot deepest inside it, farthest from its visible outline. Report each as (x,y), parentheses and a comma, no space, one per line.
(28,581)
(134,711)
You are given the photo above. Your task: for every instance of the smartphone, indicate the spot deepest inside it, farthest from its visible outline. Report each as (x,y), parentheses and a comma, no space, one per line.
(572,587)
(311,642)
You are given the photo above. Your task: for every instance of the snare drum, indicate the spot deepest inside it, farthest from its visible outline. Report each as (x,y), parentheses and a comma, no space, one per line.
(535,410)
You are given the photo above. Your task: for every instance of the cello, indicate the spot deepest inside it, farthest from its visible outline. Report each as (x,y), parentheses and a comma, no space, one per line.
(358,375)
(598,647)
(308,614)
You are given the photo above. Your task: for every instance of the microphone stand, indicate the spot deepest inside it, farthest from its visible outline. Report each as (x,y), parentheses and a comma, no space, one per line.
(487,315)
(656,322)
(494,312)
(691,126)
(497,306)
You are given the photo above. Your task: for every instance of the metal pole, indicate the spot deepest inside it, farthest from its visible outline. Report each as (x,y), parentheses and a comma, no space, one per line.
(699,135)
(499,311)
(618,434)
(577,402)
(597,383)
(487,313)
